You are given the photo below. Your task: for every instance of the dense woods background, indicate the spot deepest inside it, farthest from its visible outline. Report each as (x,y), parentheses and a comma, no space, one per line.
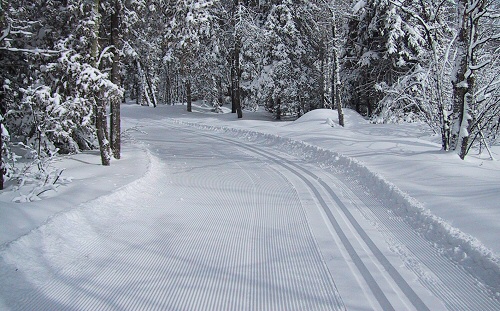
(67,65)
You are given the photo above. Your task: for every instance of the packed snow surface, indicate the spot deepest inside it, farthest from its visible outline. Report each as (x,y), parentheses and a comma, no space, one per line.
(207,212)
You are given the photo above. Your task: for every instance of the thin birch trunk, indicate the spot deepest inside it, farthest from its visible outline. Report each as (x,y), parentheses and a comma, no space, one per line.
(336,83)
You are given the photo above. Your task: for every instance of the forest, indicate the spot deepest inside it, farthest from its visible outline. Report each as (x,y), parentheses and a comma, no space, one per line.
(67,66)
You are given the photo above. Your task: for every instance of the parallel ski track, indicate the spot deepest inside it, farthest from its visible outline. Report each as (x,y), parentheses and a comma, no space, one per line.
(451,283)
(259,255)
(383,301)
(457,289)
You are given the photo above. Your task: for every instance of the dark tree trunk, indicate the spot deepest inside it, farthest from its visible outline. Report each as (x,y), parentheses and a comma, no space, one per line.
(233,79)
(188,95)
(101,125)
(278,109)
(322,83)
(236,85)
(115,127)
(99,105)
(141,88)
(220,93)
(236,70)
(168,86)
(463,81)
(369,106)
(152,95)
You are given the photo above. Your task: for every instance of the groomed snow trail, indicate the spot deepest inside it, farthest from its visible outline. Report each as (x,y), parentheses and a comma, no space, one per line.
(455,287)
(219,224)
(202,232)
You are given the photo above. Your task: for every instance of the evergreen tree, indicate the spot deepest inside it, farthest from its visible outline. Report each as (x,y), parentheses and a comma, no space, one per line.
(289,81)
(51,66)
(381,47)
(192,26)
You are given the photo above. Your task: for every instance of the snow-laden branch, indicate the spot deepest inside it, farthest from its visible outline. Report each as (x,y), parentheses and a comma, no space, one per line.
(424,24)
(473,6)
(485,40)
(479,66)
(104,54)
(5,33)
(35,51)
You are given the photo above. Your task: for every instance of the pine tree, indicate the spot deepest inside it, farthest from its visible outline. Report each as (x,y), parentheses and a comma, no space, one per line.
(188,34)
(381,47)
(290,77)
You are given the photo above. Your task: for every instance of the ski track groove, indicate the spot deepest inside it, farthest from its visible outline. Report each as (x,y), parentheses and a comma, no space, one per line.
(441,267)
(451,285)
(271,295)
(373,285)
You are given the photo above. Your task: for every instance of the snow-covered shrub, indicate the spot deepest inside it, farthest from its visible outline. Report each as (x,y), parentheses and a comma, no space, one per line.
(35,177)
(412,98)
(8,156)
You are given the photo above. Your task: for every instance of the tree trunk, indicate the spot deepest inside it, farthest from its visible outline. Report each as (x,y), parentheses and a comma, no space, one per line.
(336,101)
(443,113)
(115,127)
(322,82)
(237,69)
(168,86)
(151,90)
(463,81)
(188,95)
(99,104)
(460,87)
(336,83)
(466,123)
(278,109)
(2,169)
(141,89)
(233,79)
(101,133)
(369,99)
(220,92)
(94,44)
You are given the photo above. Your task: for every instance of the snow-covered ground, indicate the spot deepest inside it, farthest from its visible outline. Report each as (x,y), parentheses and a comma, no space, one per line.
(207,212)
